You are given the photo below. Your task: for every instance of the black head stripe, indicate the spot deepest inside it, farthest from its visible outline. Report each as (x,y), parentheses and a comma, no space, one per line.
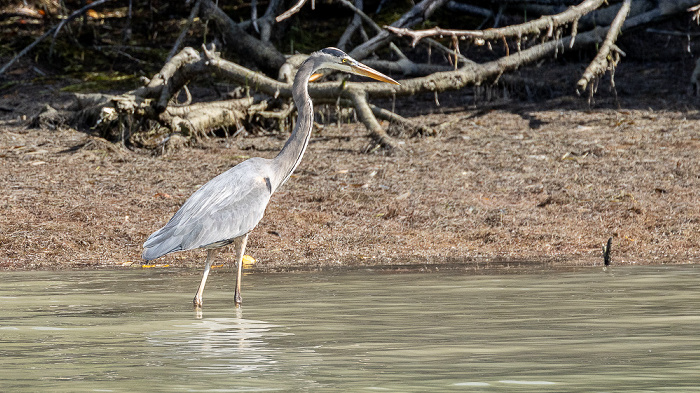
(333,52)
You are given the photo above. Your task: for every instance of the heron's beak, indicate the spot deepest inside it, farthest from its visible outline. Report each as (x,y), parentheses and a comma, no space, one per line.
(362,69)
(315,77)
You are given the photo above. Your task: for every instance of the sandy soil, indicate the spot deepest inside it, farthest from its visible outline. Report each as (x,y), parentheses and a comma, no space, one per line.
(508,180)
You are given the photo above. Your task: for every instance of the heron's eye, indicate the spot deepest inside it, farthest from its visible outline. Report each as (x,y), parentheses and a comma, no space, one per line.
(344,60)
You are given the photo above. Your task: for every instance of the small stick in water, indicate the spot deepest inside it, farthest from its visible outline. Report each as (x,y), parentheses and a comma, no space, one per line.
(606,252)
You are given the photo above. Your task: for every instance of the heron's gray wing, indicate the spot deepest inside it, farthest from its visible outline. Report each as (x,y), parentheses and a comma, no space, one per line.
(228,206)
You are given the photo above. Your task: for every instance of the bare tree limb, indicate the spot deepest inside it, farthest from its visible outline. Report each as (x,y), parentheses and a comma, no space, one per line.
(293,10)
(364,113)
(361,15)
(390,116)
(254,15)
(406,67)
(355,24)
(263,54)
(193,14)
(548,23)
(417,14)
(379,30)
(268,20)
(325,91)
(195,120)
(609,54)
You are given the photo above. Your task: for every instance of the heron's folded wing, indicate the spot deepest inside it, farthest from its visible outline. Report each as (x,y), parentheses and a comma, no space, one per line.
(228,206)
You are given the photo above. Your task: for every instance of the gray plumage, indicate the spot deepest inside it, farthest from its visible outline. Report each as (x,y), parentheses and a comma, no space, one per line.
(228,207)
(218,212)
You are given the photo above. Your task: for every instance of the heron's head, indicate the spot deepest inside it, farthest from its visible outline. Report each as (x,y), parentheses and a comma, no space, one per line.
(336,59)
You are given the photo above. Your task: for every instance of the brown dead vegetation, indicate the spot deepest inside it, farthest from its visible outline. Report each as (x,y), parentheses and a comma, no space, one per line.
(548,181)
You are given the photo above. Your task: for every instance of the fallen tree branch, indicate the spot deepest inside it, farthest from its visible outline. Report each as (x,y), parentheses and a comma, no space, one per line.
(548,23)
(263,54)
(381,113)
(478,73)
(355,24)
(361,15)
(417,14)
(153,101)
(379,31)
(406,67)
(195,120)
(325,91)
(268,19)
(608,55)
(295,8)
(193,14)
(364,113)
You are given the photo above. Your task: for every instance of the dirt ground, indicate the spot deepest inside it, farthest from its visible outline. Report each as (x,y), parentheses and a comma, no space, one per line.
(503,181)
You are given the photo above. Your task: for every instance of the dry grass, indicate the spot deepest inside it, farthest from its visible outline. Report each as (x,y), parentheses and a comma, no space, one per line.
(547,181)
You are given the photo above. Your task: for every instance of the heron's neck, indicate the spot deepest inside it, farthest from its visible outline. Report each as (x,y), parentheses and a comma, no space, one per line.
(290,156)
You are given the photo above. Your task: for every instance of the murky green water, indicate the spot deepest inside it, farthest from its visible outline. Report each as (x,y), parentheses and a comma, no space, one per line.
(637,329)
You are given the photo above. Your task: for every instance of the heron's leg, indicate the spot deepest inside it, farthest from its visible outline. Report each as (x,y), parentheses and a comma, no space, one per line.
(198,296)
(240,249)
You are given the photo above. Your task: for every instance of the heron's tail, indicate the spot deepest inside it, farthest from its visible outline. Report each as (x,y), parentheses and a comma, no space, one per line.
(160,243)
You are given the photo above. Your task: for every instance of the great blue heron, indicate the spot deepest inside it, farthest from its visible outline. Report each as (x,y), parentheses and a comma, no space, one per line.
(229,206)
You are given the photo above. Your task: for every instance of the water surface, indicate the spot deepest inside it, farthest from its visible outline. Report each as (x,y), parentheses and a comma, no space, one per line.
(635,329)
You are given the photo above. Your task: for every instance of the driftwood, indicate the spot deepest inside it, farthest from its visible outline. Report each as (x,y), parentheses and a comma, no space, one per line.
(154,100)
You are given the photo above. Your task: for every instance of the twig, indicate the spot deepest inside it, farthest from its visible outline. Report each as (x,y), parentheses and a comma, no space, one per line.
(51,31)
(254,15)
(695,10)
(673,32)
(609,54)
(294,10)
(73,16)
(25,50)
(417,14)
(185,29)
